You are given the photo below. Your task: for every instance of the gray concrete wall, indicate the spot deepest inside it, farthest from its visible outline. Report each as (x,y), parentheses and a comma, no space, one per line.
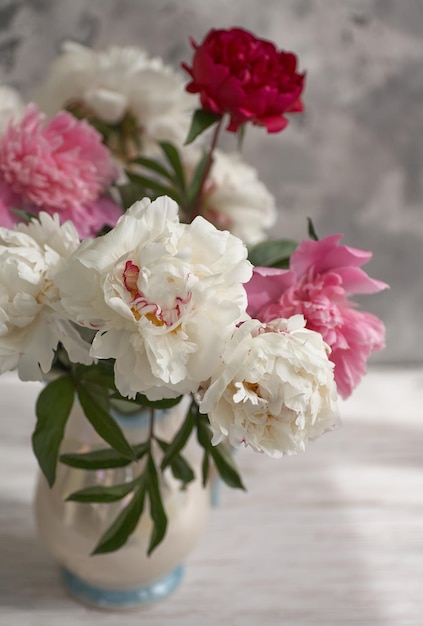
(353,162)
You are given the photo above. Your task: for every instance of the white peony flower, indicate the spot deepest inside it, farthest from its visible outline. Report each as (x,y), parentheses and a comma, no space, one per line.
(121,82)
(31,318)
(234,198)
(164,295)
(274,390)
(11,106)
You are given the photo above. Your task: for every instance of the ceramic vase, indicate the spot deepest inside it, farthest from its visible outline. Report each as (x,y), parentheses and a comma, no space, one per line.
(126,578)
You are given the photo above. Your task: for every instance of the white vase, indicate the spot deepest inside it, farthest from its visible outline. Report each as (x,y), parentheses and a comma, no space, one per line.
(128,577)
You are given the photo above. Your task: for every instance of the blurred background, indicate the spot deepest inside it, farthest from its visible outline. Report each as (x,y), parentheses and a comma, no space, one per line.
(352,162)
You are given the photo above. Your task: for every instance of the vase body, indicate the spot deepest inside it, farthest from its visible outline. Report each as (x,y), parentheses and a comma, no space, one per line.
(71,530)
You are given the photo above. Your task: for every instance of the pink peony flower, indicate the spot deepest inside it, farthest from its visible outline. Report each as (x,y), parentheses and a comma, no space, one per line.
(321,278)
(58,165)
(61,167)
(90,218)
(249,78)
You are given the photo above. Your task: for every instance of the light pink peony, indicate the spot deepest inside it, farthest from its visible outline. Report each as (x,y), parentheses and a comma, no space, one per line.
(90,218)
(61,167)
(57,165)
(321,278)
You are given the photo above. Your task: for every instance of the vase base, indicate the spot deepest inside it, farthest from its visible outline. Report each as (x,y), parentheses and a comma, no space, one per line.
(119,599)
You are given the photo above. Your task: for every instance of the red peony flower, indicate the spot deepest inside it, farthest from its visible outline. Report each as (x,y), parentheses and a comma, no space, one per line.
(249,78)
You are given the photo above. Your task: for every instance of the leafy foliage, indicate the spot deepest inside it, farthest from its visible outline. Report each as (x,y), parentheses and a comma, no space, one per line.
(220,454)
(201,121)
(99,493)
(144,487)
(96,392)
(53,408)
(157,512)
(125,523)
(311,230)
(104,458)
(102,422)
(272,253)
(180,439)
(179,466)
(152,179)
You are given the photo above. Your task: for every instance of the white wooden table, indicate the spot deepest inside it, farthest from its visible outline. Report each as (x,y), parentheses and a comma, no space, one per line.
(333,537)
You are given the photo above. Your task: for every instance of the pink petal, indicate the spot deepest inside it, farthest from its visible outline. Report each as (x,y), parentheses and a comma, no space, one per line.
(355,280)
(364,334)
(311,253)
(265,286)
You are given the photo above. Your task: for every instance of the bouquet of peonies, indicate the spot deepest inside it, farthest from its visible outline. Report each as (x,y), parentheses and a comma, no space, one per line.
(135,267)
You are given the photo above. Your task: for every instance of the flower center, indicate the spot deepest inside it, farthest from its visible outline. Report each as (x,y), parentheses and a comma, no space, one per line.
(318,299)
(152,311)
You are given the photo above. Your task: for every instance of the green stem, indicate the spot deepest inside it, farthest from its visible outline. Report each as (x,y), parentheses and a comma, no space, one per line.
(196,210)
(152,417)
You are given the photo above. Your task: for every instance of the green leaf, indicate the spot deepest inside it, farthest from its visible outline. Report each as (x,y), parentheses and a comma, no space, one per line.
(222,458)
(272,253)
(226,466)
(158,188)
(101,374)
(197,179)
(205,467)
(25,216)
(180,467)
(180,439)
(201,121)
(53,407)
(311,230)
(141,400)
(157,512)
(174,159)
(125,523)
(103,423)
(154,166)
(100,493)
(130,193)
(182,470)
(104,458)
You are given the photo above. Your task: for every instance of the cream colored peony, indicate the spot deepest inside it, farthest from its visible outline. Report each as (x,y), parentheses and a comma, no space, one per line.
(274,390)
(234,198)
(31,318)
(119,82)
(164,297)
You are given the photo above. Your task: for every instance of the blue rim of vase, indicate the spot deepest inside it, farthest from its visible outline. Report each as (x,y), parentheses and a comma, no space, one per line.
(121,598)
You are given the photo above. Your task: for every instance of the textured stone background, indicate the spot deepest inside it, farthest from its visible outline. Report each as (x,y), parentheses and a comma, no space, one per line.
(353,162)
